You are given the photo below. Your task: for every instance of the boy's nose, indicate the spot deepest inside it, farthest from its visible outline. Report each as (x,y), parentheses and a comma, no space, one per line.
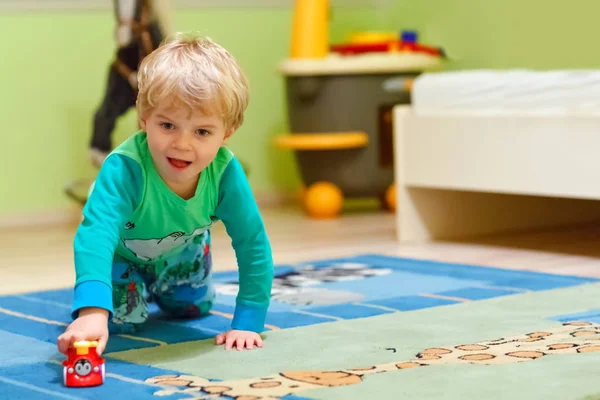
(182,142)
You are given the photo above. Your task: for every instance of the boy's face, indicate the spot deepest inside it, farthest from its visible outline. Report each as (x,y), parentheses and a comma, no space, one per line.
(182,144)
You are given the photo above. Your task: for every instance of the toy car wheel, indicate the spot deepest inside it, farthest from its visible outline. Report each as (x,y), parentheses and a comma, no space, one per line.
(103,371)
(65,376)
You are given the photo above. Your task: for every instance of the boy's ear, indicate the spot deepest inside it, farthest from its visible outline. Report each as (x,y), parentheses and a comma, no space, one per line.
(228,134)
(141,118)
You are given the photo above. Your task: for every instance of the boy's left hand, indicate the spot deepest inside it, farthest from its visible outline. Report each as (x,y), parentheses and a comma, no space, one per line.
(239,339)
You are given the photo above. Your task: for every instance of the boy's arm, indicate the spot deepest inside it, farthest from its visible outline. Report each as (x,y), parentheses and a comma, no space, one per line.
(243,222)
(112,200)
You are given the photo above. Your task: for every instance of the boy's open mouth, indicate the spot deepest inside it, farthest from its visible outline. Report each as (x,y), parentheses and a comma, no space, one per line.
(177,163)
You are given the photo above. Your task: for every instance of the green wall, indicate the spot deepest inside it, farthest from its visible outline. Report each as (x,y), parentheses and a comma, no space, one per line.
(54,65)
(53,73)
(538,34)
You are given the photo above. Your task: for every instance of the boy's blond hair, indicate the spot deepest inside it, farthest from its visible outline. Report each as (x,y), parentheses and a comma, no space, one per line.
(196,72)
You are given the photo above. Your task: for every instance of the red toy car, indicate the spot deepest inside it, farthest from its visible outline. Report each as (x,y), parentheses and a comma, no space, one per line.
(83,367)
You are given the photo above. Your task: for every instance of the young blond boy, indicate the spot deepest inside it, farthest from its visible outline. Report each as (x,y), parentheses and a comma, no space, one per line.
(146,223)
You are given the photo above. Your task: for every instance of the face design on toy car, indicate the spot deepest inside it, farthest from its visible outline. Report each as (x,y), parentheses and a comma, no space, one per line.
(83,367)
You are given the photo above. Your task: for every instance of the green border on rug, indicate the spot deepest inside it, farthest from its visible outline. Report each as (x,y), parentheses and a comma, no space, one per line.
(360,343)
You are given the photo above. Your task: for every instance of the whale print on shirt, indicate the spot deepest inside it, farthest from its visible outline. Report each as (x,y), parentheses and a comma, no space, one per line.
(151,249)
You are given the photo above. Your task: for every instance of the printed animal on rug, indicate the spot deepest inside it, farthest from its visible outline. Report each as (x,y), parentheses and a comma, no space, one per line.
(296,287)
(570,338)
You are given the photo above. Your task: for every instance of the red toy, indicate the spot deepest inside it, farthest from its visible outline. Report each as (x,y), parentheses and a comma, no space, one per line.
(391,46)
(83,367)
(407,42)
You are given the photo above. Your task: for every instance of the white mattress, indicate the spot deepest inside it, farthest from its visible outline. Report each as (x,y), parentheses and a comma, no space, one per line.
(496,92)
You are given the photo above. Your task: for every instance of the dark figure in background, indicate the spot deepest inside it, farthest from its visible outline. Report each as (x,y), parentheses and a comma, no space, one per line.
(139,31)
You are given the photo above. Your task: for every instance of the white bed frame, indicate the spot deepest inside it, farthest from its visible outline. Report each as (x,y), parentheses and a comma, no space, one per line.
(468,175)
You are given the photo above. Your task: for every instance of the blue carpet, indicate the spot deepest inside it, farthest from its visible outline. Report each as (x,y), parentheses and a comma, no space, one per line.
(305,294)
(589,316)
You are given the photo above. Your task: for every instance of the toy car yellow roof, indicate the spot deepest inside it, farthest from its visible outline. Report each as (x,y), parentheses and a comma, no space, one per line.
(85,343)
(83,346)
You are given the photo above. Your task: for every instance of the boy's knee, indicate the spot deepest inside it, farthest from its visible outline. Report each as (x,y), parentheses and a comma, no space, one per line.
(129,303)
(184,308)
(123,328)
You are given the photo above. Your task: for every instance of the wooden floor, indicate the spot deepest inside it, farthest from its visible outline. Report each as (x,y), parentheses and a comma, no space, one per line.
(41,257)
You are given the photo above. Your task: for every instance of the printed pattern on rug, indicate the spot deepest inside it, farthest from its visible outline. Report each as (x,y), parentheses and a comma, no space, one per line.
(369,285)
(306,294)
(571,338)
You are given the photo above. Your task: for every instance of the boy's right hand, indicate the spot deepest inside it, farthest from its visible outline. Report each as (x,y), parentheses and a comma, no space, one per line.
(92,324)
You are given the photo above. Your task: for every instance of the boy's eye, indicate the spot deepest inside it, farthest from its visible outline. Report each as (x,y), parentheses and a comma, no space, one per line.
(167,125)
(202,132)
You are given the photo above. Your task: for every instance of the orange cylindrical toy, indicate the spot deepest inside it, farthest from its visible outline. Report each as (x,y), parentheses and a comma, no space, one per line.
(310,29)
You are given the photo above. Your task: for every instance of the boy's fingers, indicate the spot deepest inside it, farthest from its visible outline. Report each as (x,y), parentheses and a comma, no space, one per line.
(63,342)
(76,337)
(101,345)
(250,343)
(219,339)
(229,342)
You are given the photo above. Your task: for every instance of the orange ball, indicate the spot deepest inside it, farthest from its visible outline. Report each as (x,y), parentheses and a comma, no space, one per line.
(323,200)
(390,197)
